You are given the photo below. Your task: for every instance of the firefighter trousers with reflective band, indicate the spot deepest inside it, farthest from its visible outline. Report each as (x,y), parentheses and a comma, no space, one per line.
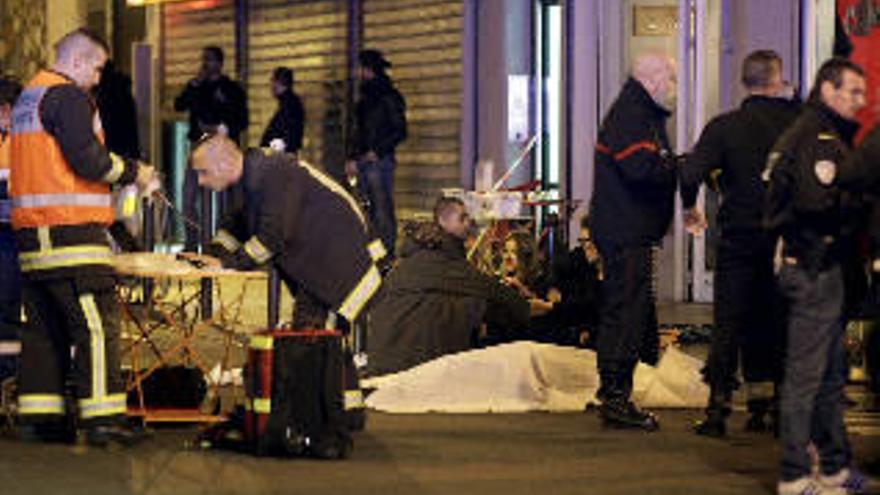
(71,335)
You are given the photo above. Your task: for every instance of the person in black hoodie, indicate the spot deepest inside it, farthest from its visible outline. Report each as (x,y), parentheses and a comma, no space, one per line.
(812,209)
(380,125)
(285,130)
(433,302)
(632,205)
(732,151)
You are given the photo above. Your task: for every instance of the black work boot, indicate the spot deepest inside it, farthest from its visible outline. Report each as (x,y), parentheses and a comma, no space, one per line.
(60,431)
(758,410)
(715,423)
(621,413)
(113,435)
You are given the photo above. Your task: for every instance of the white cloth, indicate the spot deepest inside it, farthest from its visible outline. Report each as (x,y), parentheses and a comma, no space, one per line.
(527,376)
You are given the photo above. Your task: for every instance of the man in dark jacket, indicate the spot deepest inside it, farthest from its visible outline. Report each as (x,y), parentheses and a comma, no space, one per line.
(736,144)
(285,130)
(380,125)
(632,206)
(811,210)
(434,301)
(10,277)
(216,104)
(294,216)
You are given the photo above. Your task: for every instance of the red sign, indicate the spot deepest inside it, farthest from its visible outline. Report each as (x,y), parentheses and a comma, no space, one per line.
(861,20)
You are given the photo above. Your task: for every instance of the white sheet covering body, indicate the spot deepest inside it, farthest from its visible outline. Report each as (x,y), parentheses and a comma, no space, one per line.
(527,376)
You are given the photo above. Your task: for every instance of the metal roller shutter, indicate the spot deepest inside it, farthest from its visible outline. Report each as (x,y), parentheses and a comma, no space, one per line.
(309,37)
(423,41)
(187,27)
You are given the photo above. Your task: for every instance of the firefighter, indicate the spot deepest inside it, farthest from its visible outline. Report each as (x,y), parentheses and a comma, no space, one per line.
(61,176)
(297,218)
(631,211)
(747,323)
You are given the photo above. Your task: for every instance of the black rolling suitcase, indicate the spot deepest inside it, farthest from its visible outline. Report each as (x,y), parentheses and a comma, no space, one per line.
(294,385)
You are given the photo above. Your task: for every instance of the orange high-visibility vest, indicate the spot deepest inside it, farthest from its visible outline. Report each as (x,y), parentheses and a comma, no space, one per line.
(4,157)
(45,191)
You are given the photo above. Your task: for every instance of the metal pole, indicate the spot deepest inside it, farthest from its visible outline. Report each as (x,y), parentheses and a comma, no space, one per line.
(274,293)
(206,298)
(149,244)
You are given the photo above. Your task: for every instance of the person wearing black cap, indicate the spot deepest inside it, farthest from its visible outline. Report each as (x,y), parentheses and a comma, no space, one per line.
(285,130)
(380,125)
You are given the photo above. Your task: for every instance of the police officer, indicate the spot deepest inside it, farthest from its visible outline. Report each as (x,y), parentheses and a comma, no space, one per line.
(61,206)
(736,145)
(809,209)
(631,211)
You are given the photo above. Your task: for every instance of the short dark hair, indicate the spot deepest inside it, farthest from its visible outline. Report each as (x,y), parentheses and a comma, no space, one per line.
(284,76)
(214,50)
(759,67)
(832,71)
(443,206)
(9,90)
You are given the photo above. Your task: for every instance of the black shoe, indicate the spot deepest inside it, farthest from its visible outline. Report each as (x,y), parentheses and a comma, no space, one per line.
(107,436)
(757,424)
(713,426)
(625,414)
(47,433)
(332,448)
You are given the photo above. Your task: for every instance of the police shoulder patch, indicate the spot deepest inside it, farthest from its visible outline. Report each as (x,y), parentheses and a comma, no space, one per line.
(825,171)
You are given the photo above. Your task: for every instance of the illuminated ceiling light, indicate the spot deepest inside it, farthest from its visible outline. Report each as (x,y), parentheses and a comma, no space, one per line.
(199,4)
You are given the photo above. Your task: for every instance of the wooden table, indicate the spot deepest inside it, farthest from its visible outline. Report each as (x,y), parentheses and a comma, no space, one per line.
(176,317)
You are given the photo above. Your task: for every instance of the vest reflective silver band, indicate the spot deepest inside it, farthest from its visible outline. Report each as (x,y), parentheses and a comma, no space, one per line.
(42,200)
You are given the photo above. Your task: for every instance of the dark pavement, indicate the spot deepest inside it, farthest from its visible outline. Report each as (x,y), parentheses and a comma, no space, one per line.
(437,454)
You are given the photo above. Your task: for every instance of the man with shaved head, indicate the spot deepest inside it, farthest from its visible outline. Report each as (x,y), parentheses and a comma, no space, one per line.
(61,177)
(295,217)
(631,209)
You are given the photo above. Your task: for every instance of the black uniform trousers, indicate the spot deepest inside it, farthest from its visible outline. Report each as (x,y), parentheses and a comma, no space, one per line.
(310,313)
(71,336)
(749,317)
(627,318)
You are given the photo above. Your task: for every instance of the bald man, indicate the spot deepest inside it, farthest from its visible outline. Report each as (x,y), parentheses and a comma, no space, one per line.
(631,209)
(295,217)
(61,177)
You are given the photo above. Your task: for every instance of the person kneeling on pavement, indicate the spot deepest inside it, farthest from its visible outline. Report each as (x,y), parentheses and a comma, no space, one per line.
(434,301)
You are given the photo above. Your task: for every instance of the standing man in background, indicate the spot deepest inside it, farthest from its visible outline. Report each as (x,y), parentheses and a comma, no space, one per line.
(380,125)
(216,105)
(61,207)
(285,130)
(748,322)
(631,211)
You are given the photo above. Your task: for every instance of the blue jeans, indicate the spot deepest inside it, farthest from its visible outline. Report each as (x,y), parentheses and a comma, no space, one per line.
(376,185)
(811,409)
